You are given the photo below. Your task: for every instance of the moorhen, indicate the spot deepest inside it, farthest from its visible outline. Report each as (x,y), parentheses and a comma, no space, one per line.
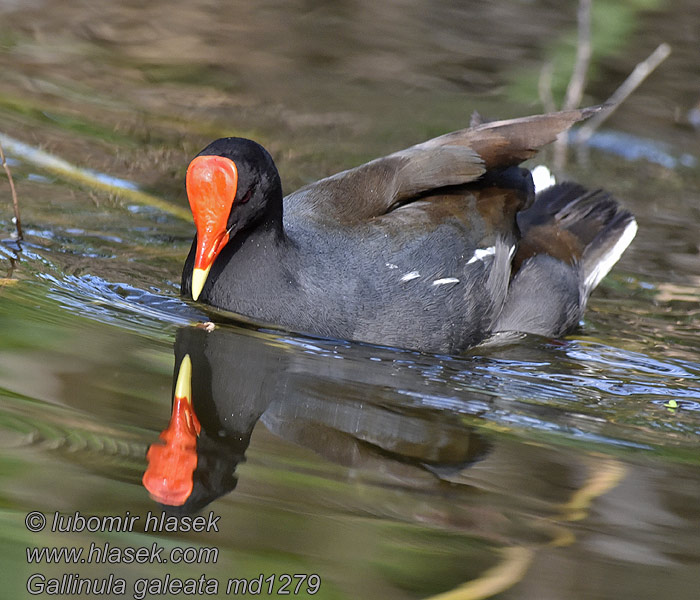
(436,248)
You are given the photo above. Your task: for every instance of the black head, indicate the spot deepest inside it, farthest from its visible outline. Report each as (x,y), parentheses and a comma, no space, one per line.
(232,185)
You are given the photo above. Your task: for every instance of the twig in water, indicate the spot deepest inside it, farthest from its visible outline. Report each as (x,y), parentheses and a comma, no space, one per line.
(577,83)
(15,203)
(640,73)
(94,181)
(544,87)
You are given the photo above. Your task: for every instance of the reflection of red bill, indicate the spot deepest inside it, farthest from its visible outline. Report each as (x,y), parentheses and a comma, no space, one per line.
(172,460)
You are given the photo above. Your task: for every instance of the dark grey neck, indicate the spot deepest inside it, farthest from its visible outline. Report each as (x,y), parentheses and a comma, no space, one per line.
(271,223)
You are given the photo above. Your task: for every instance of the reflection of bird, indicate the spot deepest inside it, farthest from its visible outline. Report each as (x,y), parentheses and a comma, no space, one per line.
(226,381)
(435,247)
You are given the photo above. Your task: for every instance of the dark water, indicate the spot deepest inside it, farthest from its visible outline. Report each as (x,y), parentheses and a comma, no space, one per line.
(545,469)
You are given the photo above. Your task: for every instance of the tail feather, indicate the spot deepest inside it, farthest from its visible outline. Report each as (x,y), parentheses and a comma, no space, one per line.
(606,249)
(576,225)
(570,239)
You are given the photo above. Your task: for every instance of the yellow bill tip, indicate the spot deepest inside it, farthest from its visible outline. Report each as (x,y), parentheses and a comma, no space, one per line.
(199,278)
(183,385)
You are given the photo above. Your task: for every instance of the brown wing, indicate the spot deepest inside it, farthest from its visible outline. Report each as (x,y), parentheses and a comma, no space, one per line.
(375,188)
(510,142)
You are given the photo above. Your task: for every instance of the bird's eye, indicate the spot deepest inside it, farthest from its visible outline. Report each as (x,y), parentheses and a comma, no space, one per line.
(247,196)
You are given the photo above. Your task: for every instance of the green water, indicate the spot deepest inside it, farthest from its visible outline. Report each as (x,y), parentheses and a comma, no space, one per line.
(563,464)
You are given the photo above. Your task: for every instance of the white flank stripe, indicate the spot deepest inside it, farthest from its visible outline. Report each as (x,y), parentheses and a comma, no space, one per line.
(445,280)
(606,263)
(409,276)
(481,254)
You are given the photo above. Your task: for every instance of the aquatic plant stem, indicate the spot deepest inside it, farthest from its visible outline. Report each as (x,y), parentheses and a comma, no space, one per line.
(544,87)
(15,203)
(577,82)
(605,473)
(633,81)
(515,561)
(96,181)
